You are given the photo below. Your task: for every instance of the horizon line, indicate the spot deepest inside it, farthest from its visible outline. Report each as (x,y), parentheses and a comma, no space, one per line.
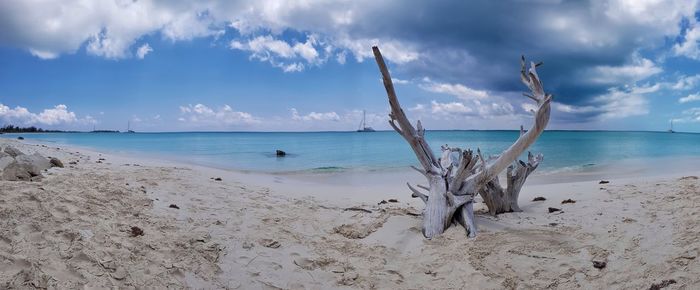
(352,131)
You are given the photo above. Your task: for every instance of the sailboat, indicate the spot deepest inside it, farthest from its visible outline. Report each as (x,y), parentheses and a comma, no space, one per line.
(670,130)
(128,127)
(363,124)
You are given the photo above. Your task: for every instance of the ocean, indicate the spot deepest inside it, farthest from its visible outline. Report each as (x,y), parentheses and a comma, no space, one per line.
(385,150)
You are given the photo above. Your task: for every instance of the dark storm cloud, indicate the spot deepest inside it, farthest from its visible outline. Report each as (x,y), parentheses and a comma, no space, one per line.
(479,43)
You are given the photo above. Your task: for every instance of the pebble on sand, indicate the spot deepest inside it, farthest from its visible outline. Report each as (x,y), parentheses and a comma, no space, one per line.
(553,209)
(136,231)
(599,264)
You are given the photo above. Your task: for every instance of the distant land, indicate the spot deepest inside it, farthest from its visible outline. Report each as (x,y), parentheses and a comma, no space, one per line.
(32,129)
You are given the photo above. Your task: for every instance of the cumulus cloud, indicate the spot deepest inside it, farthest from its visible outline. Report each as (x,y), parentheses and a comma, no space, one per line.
(458,90)
(691,115)
(281,54)
(202,114)
(614,104)
(57,115)
(143,50)
(690,98)
(462,109)
(639,69)
(469,103)
(398,81)
(685,82)
(109,28)
(313,116)
(688,46)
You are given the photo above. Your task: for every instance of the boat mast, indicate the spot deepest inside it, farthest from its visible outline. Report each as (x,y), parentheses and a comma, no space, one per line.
(364,121)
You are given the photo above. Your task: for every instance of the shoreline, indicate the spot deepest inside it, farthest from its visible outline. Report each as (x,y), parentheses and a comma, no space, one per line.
(260,231)
(625,169)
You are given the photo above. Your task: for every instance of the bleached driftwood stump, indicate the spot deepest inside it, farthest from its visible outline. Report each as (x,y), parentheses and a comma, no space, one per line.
(459,175)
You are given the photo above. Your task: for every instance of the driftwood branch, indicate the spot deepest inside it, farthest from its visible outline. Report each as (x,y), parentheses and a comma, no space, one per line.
(532,81)
(417,193)
(458,175)
(414,138)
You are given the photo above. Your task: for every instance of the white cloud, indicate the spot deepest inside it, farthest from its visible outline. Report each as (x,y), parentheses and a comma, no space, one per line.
(570,108)
(292,67)
(458,90)
(452,108)
(398,81)
(616,103)
(461,109)
(689,46)
(639,69)
(143,50)
(691,115)
(660,14)
(690,98)
(57,115)
(686,82)
(50,28)
(313,116)
(201,114)
(281,54)
(340,57)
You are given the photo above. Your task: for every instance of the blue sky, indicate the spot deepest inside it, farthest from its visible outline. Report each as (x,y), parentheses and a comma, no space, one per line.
(307,65)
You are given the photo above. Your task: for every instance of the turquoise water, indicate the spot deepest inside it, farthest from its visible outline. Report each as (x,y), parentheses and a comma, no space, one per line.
(338,151)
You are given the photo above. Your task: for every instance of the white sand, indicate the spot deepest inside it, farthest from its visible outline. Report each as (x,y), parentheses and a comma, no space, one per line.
(255,231)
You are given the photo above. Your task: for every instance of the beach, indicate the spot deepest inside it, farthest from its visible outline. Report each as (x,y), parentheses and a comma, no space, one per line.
(203,227)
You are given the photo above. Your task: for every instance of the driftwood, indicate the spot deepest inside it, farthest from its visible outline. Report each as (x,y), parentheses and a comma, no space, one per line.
(459,175)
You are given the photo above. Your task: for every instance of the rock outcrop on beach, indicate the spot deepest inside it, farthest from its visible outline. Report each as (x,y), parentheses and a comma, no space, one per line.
(15,165)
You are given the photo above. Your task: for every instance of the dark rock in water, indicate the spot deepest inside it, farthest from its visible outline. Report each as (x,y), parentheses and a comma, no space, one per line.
(539,198)
(281,153)
(136,231)
(382,202)
(55,162)
(599,264)
(393,200)
(174,206)
(12,151)
(568,201)
(603,182)
(663,284)
(20,138)
(553,209)
(218,179)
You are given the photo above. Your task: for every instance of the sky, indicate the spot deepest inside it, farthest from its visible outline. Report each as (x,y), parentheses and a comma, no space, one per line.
(307,65)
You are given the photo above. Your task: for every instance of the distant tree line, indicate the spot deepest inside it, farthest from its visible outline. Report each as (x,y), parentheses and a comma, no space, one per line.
(32,129)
